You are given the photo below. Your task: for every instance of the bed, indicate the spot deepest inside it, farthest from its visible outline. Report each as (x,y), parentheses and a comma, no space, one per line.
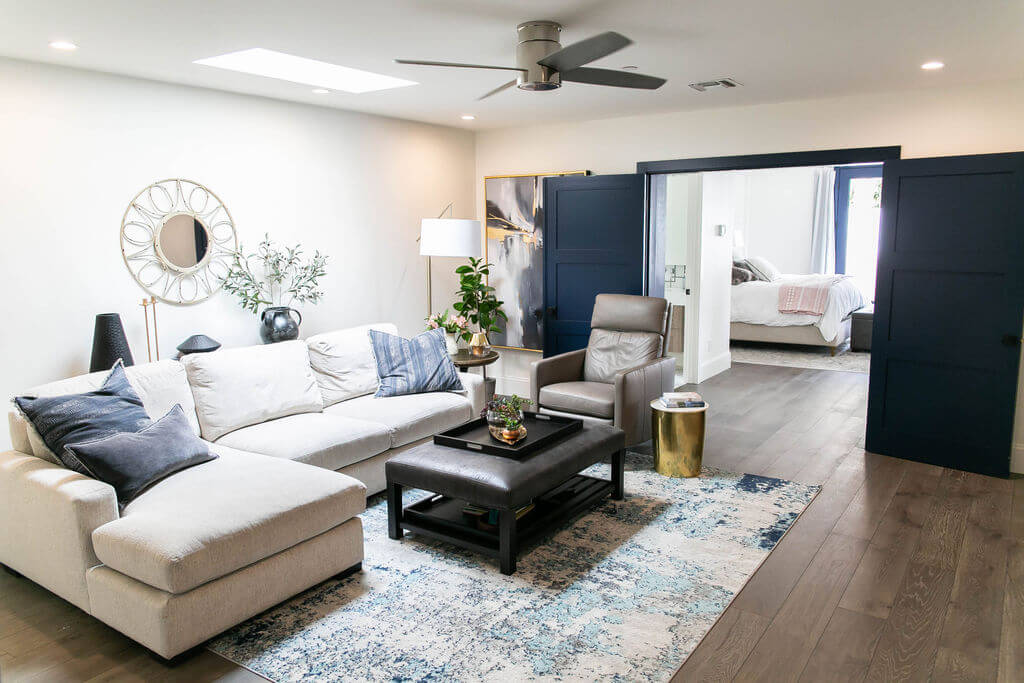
(755,314)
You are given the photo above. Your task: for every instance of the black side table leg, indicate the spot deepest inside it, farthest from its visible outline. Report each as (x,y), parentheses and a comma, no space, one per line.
(507,541)
(395,510)
(618,475)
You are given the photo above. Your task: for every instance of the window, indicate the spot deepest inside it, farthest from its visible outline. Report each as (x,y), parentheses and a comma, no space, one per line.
(858,210)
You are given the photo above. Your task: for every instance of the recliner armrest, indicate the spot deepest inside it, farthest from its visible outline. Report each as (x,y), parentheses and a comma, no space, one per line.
(565,367)
(635,388)
(47,516)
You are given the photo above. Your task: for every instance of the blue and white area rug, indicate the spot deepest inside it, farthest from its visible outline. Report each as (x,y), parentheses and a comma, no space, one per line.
(627,591)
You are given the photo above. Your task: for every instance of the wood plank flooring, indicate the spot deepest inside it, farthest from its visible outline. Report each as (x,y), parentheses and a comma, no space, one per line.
(896,571)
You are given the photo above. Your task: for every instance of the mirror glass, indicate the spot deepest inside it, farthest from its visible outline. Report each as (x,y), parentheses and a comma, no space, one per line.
(183,240)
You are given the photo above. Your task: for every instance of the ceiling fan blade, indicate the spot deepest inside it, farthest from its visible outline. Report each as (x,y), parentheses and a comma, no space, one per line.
(618,79)
(585,51)
(497,90)
(420,62)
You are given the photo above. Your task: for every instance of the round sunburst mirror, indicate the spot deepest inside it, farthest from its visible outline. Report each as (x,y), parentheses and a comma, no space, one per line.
(177,239)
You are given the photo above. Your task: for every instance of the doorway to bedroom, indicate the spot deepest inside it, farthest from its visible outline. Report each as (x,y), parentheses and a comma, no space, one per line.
(768,260)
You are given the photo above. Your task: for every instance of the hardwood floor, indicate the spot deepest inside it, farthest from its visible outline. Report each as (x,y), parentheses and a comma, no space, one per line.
(896,571)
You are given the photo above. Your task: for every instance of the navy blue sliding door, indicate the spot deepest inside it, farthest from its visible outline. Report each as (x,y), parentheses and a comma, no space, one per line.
(948,313)
(594,229)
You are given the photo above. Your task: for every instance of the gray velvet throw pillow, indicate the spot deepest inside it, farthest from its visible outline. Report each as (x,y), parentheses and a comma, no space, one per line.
(74,418)
(134,461)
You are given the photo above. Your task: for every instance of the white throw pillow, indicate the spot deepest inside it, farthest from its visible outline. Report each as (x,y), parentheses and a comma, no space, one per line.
(343,362)
(763,269)
(235,388)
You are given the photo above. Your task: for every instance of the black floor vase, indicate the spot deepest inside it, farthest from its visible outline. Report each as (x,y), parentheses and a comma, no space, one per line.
(277,324)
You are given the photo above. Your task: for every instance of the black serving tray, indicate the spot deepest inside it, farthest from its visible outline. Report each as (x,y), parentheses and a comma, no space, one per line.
(541,431)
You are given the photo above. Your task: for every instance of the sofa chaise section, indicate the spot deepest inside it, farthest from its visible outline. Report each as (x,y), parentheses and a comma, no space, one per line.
(203,550)
(206,522)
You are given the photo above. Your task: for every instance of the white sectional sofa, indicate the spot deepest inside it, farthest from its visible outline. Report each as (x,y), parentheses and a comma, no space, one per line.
(299,447)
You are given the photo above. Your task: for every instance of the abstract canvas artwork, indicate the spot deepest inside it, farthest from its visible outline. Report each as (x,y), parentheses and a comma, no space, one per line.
(514,207)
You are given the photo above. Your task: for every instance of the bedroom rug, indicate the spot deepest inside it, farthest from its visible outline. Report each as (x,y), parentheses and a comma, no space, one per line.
(627,591)
(812,357)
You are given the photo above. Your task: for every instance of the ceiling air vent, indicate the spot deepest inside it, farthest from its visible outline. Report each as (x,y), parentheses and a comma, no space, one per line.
(720,83)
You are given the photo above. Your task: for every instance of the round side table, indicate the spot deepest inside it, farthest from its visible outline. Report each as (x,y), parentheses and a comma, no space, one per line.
(677,436)
(464,360)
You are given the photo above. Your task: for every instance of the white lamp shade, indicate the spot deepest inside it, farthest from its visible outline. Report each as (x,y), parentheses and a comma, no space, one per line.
(450,237)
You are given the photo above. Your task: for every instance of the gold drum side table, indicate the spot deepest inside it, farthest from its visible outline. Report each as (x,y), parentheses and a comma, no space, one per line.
(677,435)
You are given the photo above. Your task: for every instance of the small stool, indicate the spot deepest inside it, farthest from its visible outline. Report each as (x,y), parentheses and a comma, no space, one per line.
(677,435)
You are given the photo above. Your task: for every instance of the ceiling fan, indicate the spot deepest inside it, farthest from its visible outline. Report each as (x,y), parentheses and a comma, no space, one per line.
(542,63)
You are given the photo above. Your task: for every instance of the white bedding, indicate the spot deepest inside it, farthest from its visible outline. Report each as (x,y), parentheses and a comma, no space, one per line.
(757,303)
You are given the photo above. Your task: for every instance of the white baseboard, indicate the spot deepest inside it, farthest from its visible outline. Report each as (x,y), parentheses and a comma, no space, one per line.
(709,369)
(1017,458)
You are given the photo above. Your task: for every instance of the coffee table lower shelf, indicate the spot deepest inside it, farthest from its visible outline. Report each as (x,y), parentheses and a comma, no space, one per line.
(441,517)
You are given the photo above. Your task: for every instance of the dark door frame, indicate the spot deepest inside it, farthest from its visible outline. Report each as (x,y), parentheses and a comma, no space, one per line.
(842,208)
(654,283)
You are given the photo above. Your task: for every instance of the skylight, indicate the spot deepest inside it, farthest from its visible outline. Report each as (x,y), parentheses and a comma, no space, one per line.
(271,64)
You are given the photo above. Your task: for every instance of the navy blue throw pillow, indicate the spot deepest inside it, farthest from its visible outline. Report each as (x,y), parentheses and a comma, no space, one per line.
(413,366)
(74,418)
(131,462)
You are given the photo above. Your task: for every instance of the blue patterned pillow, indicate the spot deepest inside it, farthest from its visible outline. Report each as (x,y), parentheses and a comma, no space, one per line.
(74,418)
(413,366)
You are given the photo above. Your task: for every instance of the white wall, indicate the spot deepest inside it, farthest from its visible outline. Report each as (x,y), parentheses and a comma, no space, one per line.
(780,216)
(934,122)
(77,146)
(723,212)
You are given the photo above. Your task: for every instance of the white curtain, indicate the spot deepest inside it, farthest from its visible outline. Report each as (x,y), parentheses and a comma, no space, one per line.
(823,228)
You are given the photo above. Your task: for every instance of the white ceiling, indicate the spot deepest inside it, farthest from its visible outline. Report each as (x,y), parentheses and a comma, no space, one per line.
(779,49)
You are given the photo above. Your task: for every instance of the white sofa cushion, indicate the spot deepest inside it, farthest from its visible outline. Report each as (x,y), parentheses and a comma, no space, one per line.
(410,417)
(320,439)
(161,385)
(212,519)
(235,388)
(343,362)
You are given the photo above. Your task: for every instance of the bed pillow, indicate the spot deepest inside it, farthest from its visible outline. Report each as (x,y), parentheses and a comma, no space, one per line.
(762,269)
(131,462)
(74,418)
(412,366)
(741,275)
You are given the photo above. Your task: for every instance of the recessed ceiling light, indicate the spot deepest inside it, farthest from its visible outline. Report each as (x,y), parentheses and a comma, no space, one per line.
(271,64)
(468,117)
(320,91)
(631,67)
(932,66)
(63,45)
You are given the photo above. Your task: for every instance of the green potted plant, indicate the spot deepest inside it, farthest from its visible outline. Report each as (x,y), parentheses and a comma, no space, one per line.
(276,277)
(478,303)
(504,416)
(453,327)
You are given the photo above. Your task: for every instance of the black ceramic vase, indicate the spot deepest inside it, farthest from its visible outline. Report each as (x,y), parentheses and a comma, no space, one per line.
(278,325)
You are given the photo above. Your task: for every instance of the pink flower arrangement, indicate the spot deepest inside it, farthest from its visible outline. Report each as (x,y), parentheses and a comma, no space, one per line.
(451,325)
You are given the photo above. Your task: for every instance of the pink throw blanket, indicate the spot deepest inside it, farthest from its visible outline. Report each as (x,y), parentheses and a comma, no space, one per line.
(804,299)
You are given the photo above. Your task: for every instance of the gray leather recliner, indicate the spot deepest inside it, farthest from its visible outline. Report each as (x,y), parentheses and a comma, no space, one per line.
(623,368)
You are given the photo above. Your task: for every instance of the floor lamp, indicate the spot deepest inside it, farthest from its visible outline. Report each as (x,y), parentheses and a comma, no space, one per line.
(456,237)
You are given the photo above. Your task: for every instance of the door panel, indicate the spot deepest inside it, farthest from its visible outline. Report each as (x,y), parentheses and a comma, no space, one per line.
(948,311)
(595,245)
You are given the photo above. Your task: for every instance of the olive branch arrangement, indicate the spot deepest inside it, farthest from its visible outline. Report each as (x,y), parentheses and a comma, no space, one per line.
(286,276)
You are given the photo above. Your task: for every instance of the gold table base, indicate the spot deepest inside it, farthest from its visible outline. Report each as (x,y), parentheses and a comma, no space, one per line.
(678,440)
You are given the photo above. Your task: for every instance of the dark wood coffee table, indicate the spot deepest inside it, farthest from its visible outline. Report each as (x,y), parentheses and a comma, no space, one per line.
(549,478)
